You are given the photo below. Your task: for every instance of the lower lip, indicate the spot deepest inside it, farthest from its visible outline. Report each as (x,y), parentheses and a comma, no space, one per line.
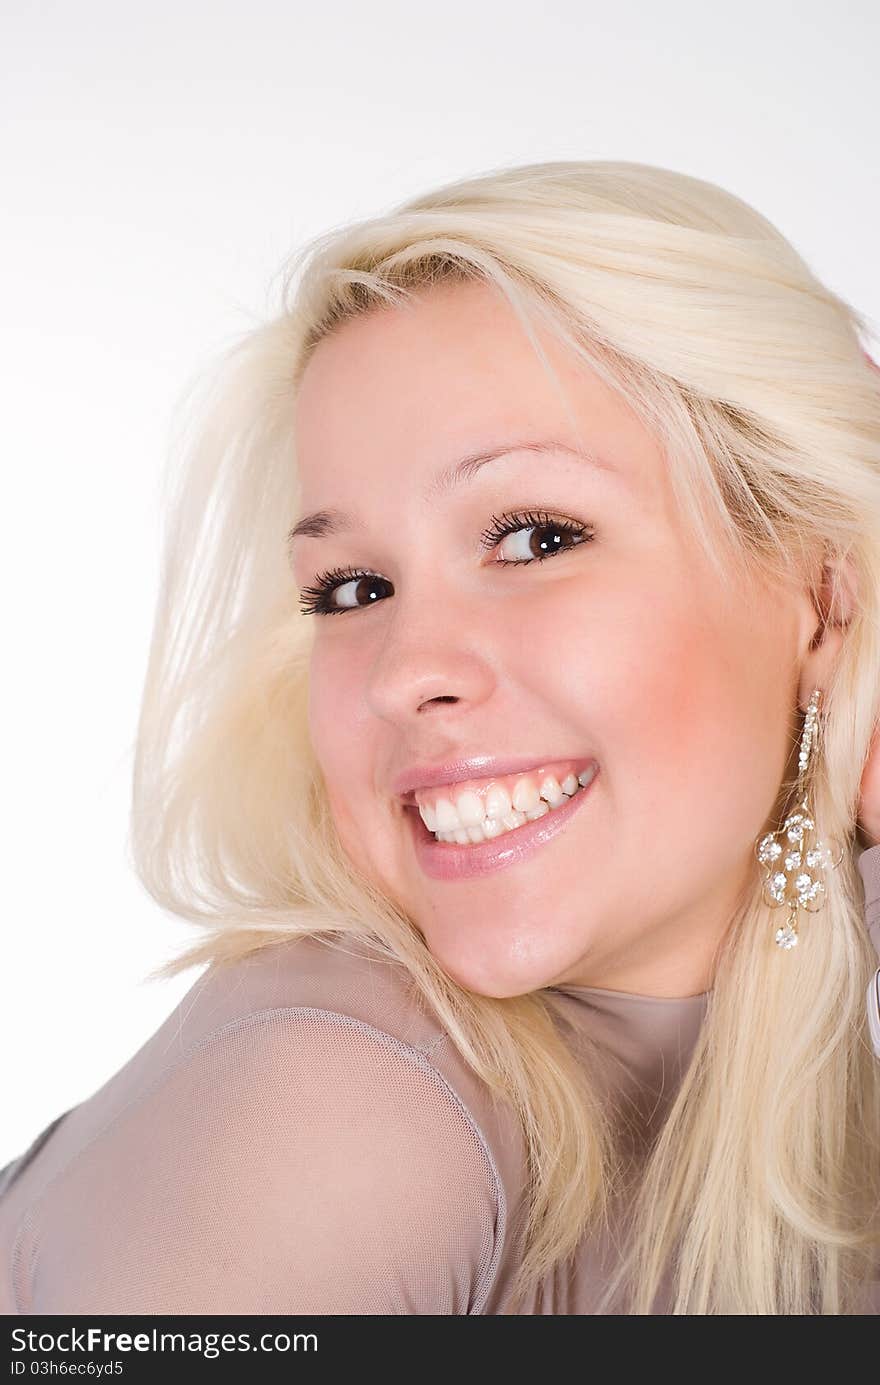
(449,861)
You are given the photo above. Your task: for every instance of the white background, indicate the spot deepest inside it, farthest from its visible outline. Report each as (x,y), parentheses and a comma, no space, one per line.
(157,163)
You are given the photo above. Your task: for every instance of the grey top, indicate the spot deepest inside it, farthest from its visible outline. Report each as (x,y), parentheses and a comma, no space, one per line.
(301,1136)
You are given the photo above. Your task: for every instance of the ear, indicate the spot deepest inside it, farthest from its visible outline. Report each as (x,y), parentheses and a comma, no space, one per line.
(833,601)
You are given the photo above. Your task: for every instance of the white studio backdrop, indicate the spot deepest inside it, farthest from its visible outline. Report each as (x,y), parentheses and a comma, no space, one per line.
(158,163)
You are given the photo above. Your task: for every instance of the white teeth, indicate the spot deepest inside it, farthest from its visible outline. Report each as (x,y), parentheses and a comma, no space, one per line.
(494,827)
(525,796)
(470,818)
(429,817)
(470,809)
(551,792)
(498,802)
(447,818)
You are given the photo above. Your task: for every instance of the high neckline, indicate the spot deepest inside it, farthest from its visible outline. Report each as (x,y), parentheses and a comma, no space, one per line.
(654,1036)
(686,1001)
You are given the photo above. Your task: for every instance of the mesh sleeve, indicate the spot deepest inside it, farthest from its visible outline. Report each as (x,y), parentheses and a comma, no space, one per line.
(297,1161)
(869,868)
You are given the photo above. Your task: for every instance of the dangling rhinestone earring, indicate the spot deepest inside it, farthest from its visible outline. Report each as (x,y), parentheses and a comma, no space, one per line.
(797,879)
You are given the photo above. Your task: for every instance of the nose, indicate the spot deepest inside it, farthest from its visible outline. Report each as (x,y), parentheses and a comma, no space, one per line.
(435,660)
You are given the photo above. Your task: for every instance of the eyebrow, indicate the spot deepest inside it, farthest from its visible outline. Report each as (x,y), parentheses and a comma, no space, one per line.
(323,523)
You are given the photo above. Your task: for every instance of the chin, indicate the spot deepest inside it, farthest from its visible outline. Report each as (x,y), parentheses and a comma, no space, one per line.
(498,976)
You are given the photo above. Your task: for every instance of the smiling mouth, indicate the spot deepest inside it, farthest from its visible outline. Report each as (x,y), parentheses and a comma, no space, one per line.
(507,825)
(458,860)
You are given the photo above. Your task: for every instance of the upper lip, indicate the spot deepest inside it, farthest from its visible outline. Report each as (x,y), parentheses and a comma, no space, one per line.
(477,767)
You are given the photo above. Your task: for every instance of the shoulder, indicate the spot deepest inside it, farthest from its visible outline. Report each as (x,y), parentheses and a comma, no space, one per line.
(302,1151)
(337,976)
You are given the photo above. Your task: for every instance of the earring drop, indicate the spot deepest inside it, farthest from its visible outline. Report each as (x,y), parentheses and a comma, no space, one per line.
(796,859)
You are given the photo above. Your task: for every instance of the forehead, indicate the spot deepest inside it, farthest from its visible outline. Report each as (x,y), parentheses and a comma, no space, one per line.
(398,393)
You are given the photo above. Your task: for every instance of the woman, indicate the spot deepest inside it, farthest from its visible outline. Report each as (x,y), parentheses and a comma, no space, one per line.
(509,726)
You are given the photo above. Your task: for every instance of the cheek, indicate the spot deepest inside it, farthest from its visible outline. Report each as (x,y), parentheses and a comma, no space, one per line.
(345,738)
(686,710)
(338,725)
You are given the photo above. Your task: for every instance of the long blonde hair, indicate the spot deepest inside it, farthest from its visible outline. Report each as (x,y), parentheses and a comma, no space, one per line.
(763,1187)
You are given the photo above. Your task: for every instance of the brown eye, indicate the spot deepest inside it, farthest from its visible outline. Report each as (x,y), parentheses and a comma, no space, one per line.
(359,589)
(544,536)
(537,536)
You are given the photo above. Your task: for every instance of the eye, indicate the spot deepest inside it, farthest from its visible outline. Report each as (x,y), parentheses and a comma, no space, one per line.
(545,537)
(316,600)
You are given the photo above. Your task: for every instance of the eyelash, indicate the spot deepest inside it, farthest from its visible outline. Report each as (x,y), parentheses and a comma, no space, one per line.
(315,600)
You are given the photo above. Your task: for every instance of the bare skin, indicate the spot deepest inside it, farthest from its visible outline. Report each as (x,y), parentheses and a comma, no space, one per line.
(625,647)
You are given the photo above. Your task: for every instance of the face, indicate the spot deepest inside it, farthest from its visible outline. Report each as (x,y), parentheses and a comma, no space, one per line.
(598,633)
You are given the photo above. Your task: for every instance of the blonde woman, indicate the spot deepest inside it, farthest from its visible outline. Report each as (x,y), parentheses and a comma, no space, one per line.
(521,589)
